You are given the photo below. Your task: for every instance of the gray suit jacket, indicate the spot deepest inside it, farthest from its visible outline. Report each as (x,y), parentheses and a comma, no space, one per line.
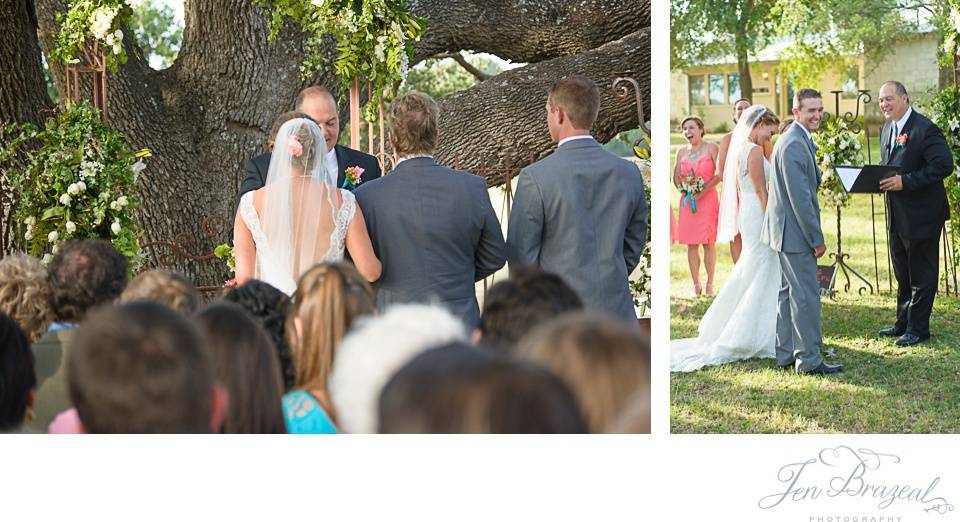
(792,221)
(435,232)
(581,213)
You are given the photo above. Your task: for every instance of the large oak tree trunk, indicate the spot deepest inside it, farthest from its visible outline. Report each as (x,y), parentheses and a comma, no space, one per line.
(210,111)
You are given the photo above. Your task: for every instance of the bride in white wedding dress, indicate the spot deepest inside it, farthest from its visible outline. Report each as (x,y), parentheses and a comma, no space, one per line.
(299,218)
(741,322)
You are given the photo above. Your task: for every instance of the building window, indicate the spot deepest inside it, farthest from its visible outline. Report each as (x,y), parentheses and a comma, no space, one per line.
(851,82)
(697,91)
(733,88)
(717,94)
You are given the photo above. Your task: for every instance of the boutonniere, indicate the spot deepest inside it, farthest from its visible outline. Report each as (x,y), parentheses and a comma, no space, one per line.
(901,140)
(352,177)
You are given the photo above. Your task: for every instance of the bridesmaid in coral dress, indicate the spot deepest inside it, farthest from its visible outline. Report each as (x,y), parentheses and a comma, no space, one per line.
(698,229)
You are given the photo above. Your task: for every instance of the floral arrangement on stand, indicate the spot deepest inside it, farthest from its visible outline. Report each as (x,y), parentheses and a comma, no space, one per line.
(374,39)
(942,106)
(92,21)
(836,145)
(640,283)
(78,182)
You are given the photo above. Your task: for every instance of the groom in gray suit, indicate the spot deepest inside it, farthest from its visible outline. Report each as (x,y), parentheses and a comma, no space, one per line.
(581,212)
(432,227)
(791,226)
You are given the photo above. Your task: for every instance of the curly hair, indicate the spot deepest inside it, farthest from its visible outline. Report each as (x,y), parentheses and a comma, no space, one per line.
(85,274)
(25,294)
(269,307)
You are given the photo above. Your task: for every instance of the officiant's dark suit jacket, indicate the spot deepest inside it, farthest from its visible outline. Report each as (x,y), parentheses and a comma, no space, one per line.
(256,168)
(916,217)
(920,209)
(435,232)
(581,213)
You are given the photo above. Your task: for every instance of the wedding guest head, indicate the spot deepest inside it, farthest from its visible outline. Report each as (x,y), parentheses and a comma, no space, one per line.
(269,307)
(784,125)
(25,294)
(808,108)
(738,107)
(330,298)
(458,389)
(572,106)
(245,363)
(412,122)
(82,275)
(18,382)
(143,368)
(635,416)
(374,351)
(321,106)
(283,118)
(894,100)
(693,129)
(603,361)
(517,305)
(164,287)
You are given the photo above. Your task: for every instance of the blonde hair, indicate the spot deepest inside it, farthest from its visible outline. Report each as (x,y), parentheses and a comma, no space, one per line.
(768,117)
(412,120)
(25,294)
(330,296)
(604,362)
(164,287)
(304,132)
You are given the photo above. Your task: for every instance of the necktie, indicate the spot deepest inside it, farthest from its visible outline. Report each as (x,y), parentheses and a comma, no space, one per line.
(893,136)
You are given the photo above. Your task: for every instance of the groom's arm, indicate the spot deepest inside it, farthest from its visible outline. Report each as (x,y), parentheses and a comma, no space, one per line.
(803,200)
(525,228)
(938,162)
(636,234)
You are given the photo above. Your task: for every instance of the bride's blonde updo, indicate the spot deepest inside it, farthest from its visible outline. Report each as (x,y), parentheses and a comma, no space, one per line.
(302,145)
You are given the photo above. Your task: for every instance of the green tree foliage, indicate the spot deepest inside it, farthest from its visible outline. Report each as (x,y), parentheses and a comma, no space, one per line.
(440,77)
(158,32)
(706,30)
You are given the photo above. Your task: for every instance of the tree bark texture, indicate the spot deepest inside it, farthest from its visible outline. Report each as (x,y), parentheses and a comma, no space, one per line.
(212,109)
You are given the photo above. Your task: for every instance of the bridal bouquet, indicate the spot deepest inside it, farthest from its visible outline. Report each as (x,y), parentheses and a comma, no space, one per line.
(836,145)
(690,186)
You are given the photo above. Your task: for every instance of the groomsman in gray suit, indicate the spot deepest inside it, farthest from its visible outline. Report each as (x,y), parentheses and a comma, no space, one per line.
(580,212)
(432,227)
(791,226)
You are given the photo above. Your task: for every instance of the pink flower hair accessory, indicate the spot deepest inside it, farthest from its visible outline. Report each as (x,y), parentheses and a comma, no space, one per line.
(294,147)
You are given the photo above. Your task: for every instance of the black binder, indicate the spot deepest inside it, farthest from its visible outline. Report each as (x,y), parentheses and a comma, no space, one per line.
(867,181)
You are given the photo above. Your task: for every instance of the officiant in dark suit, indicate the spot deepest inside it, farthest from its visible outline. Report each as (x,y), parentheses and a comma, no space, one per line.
(917,209)
(319,104)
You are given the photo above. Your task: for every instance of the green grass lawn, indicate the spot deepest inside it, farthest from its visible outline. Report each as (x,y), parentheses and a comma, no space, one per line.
(884,388)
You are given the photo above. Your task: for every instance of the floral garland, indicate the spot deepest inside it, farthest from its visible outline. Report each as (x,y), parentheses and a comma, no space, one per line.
(943,108)
(90,21)
(374,38)
(836,145)
(950,28)
(80,183)
(640,287)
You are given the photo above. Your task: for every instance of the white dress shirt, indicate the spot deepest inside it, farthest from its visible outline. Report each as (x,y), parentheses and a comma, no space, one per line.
(898,126)
(330,162)
(578,137)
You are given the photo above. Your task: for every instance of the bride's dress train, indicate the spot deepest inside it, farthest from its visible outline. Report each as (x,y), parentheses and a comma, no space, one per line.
(741,322)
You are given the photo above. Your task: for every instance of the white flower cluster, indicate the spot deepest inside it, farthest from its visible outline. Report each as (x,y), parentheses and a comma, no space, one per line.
(380,48)
(90,169)
(119,203)
(102,22)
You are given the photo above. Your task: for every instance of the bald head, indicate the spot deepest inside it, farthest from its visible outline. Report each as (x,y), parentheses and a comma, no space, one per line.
(320,104)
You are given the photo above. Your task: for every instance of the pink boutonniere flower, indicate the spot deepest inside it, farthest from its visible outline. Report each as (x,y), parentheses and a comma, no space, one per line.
(902,140)
(294,146)
(352,175)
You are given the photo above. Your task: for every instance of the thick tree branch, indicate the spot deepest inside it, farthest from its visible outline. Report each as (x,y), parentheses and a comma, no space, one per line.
(502,120)
(525,31)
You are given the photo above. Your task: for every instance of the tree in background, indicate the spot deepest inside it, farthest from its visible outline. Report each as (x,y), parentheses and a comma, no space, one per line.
(157,31)
(706,30)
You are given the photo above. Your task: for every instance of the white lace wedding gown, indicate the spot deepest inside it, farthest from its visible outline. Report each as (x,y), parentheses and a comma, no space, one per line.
(741,322)
(269,268)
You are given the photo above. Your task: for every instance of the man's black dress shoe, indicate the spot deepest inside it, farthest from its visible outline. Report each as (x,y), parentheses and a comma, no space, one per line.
(892,331)
(824,369)
(908,339)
